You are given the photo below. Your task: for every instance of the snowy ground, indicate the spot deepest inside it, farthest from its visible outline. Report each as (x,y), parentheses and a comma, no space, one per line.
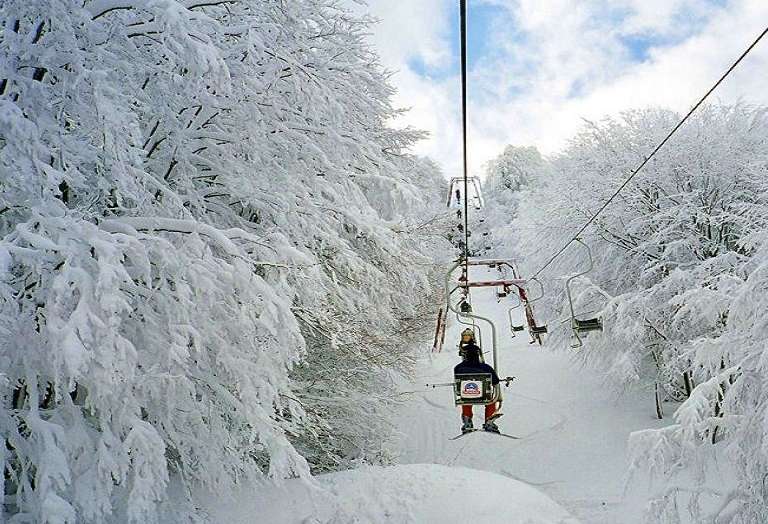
(418,494)
(572,450)
(573,430)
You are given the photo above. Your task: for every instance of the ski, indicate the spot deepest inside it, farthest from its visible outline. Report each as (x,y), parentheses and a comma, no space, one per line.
(494,417)
(488,432)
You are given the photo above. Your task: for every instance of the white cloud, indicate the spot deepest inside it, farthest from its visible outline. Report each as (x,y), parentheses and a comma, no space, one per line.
(555,62)
(409,30)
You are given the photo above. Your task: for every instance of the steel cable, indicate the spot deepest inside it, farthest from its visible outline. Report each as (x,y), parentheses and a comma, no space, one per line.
(651,155)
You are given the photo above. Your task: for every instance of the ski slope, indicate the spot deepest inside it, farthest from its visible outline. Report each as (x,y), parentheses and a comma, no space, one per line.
(568,466)
(417,494)
(573,431)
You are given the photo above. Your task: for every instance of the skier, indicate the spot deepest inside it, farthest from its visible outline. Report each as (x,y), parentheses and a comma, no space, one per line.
(472,364)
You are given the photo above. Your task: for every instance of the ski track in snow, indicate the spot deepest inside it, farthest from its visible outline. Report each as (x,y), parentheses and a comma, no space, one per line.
(573,431)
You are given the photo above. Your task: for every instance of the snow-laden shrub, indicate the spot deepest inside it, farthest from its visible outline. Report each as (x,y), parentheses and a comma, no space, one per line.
(195,197)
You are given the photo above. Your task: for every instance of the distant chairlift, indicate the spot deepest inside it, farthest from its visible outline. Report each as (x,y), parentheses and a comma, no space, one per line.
(465,307)
(474,188)
(581,325)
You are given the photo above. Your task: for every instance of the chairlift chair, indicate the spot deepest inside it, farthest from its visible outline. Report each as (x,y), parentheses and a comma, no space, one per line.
(502,292)
(455,191)
(487,392)
(465,307)
(514,328)
(474,388)
(585,325)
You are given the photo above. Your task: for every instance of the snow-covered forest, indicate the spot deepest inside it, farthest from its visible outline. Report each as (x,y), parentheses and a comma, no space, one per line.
(221,262)
(679,282)
(212,247)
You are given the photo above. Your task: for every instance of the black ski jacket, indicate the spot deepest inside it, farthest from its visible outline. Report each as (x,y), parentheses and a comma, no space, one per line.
(470,366)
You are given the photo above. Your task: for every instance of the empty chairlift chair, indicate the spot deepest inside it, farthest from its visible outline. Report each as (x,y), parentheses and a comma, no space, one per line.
(514,327)
(584,325)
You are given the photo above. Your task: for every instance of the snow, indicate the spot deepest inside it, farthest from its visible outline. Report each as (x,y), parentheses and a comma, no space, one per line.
(417,493)
(574,429)
(678,280)
(570,462)
(194,201)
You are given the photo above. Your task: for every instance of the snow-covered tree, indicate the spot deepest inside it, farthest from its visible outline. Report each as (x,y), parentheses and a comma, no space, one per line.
(506,176)
(677,265)
(195,197)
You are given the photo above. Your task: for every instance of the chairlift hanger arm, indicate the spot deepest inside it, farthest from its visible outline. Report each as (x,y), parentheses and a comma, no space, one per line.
(541,290)
(591,324)
(577,275)
(470,315)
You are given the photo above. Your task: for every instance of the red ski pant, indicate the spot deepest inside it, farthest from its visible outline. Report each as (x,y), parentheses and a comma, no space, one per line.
(490,409)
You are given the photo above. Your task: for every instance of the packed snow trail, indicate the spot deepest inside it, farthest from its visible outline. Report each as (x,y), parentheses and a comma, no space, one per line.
(407,494)
(573,430)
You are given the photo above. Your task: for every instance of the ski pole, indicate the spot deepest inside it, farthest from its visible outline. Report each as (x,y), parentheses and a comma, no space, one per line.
(439,384)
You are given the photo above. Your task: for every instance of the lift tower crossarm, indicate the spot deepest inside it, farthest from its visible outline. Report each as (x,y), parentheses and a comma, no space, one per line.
(491,262)
(517,282)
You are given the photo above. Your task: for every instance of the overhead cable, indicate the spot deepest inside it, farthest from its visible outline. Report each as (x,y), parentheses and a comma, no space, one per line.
(651,155)
(463,16)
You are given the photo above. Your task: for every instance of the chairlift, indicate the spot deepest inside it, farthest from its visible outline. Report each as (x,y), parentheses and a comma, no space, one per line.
(585,325)
(455,189)
(476,389)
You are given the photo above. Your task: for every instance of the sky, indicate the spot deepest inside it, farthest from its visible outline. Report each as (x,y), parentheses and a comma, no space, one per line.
(539,68)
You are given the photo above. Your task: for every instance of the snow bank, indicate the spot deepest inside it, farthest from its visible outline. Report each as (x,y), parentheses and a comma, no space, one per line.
(416,493)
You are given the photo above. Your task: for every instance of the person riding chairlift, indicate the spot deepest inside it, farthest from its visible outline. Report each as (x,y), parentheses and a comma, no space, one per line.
(467,336)
(472,364)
